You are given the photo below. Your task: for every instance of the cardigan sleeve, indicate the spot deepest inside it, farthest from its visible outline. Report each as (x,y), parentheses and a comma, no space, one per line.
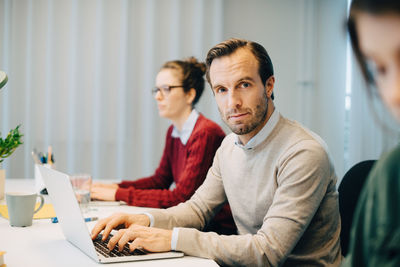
(201,149)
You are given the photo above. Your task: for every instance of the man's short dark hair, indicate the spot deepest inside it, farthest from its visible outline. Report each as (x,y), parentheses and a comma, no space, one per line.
(228,47)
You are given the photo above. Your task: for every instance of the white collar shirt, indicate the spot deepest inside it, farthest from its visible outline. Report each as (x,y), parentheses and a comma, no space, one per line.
(187,127)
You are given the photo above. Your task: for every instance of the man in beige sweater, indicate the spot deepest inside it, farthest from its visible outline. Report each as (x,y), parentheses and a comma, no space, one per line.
(276,175)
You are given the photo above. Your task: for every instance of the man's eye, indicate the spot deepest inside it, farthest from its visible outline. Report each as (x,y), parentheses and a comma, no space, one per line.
(244,85)
(220,90)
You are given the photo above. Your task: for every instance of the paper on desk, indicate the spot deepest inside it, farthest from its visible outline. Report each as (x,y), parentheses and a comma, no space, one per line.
(47,211)
(106,203)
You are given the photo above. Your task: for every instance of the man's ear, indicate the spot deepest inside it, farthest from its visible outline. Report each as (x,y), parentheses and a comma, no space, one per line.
(190,96)
(269,86)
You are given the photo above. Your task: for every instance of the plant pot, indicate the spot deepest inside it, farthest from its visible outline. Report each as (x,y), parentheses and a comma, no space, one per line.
(2,182)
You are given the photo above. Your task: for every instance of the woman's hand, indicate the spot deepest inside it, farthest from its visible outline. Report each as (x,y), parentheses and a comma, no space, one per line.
(103,191)
(115,186)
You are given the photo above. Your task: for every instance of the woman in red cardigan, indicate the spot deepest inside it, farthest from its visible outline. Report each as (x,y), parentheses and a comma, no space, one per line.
(190,145)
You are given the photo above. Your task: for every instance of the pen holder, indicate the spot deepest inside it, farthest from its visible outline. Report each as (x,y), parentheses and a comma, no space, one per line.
(39,184)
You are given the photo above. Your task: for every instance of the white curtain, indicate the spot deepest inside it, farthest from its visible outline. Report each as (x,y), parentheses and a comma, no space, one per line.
(81,73)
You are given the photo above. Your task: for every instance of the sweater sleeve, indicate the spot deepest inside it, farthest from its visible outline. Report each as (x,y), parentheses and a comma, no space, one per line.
(201,149)
(300,185)
(198,210)
(161,179)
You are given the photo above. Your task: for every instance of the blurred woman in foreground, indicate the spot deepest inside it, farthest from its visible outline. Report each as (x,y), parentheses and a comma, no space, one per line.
(374,27)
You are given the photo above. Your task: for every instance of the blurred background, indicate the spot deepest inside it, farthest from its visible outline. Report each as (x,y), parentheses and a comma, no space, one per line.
(81,73)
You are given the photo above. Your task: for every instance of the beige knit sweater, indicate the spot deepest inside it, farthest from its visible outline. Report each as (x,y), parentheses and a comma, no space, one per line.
(283,198)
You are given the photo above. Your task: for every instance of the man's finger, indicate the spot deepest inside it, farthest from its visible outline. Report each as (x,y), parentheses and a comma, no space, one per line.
(113,223)
(114,240)
(137,243)
(98,228)
(126,237)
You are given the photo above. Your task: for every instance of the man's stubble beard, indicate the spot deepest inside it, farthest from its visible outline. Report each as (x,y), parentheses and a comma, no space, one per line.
(260,113)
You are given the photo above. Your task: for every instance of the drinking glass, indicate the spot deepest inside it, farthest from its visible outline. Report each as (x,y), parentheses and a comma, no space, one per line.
(81,184)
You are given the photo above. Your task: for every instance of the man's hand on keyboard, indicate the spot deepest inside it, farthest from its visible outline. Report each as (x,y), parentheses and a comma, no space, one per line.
(118,221)
(148,238)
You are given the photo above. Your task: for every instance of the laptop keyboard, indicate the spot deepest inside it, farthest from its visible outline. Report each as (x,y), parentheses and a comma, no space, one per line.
(101,247)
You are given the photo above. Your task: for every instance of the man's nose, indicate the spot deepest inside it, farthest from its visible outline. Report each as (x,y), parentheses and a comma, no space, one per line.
(234,99)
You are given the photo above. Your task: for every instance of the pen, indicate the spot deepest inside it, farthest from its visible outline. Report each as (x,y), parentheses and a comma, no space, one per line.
(89,219)
(49,152)
(42,157)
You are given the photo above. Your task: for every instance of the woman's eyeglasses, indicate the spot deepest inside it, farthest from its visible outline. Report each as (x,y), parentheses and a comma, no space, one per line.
(164,90)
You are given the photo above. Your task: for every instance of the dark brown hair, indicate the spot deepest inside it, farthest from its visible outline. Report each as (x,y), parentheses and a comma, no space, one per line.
(228,47)
(192,74)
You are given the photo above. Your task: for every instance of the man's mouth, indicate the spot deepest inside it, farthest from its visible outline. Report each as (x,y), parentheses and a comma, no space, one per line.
(237,116)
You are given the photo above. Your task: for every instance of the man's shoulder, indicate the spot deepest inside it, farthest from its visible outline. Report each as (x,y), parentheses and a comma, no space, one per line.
(229,140)
(227,144)
(287,134)
(294,133)
(291,126)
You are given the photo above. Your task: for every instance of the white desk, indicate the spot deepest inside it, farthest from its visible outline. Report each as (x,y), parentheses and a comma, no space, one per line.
(43,243)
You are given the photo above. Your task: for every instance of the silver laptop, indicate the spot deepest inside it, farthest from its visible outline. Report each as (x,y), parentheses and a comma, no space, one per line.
(75,229)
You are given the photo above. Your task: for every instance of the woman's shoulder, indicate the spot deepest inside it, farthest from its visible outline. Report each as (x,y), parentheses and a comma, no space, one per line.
(387,168)
(170,129)
(390,160)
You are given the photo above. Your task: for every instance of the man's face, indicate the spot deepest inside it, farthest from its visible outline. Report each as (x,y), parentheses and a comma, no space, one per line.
(241,97)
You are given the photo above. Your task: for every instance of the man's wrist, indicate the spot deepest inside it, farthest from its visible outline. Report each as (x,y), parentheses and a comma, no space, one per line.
(150,217)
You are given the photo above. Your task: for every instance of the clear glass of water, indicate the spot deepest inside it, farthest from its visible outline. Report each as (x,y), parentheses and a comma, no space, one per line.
(81,184)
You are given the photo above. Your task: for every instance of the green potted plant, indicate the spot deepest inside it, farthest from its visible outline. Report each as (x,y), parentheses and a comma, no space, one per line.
(7,147)
(9,144)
